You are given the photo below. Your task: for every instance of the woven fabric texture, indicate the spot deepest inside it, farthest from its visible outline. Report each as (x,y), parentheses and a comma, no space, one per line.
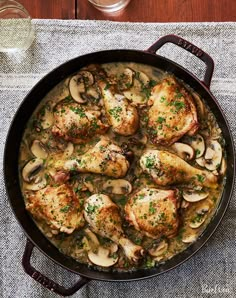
(209,273)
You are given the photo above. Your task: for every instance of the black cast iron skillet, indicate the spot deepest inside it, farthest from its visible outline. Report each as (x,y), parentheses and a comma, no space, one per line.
(33,234)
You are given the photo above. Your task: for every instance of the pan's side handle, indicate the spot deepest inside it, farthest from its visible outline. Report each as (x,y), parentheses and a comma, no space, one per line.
(45,281)
(179,41)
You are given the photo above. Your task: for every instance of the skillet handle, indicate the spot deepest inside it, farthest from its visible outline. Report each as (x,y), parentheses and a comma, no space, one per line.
(45,281)
(179,41)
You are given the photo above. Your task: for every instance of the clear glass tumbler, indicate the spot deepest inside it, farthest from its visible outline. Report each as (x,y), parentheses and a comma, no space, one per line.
(109,5)
(16,28)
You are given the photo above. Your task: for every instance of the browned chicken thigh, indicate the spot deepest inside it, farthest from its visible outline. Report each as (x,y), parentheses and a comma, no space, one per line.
(172,113)
(154,212)
(73,122)
(166,168)
(104,219)
(58,207)
(104,158)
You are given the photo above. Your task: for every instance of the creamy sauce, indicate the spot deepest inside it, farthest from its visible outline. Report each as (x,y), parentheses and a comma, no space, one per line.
(86,184)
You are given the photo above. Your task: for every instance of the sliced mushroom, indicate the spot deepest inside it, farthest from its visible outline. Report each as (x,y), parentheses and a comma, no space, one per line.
(102,257)
(200,105)
(143,78)
(126,79)
(194,196)
(209,153)
(98,254)
(135,97)
(91,93)
(31,169)
(200,217)
(79,83)
(183,150)
(39,183)
(159,250)
(85,243)
(39,150)
(213,156)
(68,150)
(113,247)
(117,186)
(198,144)
(201,161)
(135,93)
(189,238)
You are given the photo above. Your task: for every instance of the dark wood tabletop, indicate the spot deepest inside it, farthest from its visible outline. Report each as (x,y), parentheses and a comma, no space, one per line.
(137,10)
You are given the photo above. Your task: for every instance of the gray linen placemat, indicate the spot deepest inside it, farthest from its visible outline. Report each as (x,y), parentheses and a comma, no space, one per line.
(212,271)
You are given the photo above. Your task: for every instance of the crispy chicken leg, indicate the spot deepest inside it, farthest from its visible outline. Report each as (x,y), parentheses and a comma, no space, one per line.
(154,212)
(122,116)
(104,218)
(104,158)
(166,168)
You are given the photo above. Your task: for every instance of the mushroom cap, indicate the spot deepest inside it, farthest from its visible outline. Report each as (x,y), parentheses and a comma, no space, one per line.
(198,144)
(31,169)
(78,85)
(38,149)
(102,258)
(189,238)
(159,249)
(184,151)
(194,196)
(117,186)
(213,155)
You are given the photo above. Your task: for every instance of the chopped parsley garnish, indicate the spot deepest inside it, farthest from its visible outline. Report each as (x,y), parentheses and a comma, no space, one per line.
(152,83)
(138,241)
(162,216)
(178,94)
(178,106)
(65,208)
(115,112)
(108,85)
(162,99)
(200,178)
(91,209)
(78,111)
(150,263)
(150,162)
(161,119)
(122,201)
(197,218)
(152,210)
(197,152)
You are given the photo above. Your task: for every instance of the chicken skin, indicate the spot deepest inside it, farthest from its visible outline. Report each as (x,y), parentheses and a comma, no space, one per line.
(154,212)
(166,168)
(122,116)
(172,113)
(58,207)
(73,122)
(104,219)
(104,158)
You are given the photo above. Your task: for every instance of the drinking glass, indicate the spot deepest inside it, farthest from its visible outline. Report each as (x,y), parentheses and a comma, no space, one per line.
(16,28)
(109,5)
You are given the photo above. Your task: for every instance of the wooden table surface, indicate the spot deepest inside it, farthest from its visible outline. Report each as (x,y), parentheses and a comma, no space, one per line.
(137,10)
